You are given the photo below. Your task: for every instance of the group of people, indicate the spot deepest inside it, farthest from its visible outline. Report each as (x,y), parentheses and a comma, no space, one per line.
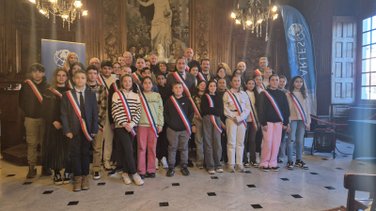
(133,117)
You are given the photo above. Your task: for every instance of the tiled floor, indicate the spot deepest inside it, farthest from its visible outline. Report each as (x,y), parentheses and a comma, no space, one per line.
(319,188)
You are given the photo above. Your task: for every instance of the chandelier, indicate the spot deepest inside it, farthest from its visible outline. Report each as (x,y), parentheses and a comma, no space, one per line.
(254,14)
(67,10)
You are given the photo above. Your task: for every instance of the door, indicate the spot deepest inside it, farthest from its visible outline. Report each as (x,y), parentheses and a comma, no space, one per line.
(343,60)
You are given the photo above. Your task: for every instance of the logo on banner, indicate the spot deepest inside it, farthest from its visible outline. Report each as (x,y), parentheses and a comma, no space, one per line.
(295,32)
(60,56)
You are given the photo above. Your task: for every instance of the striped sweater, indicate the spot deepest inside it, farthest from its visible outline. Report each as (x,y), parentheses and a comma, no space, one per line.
(118,112)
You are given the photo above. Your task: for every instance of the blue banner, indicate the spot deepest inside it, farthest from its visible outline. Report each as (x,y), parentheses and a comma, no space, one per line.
(300,49)
(54,53)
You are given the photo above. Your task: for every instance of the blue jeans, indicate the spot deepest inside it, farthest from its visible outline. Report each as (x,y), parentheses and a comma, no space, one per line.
(296,135)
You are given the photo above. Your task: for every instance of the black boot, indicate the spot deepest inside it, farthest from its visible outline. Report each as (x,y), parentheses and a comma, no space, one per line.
(32,172)
(46,171)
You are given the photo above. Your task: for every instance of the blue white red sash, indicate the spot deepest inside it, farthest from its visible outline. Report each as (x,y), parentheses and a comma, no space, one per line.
(299,107)
(136,78)
(263,85)
(114,85)
(274,104)
(237,104)
(149,115)
(201,76)
(77,111)
(55,92)
(182,115)
(187,93)
(212,118)
(102,82)
(252,114)
(128,113)
(35,90)
(70,85)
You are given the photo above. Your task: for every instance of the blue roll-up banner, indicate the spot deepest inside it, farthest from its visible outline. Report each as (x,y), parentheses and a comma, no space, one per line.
(300,49)
(54,54)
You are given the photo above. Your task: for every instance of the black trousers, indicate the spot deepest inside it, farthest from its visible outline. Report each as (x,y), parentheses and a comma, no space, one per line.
(80,156)
(250,143)
(162,144)
(126,151)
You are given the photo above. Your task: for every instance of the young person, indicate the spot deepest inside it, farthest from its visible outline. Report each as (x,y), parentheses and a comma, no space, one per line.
(252,126)
(162,143)
(56,147)
(300,120)
(178,113)
(71,58)
(274,116)
(106,134)
(236,109)
(150,125)
(126,111)
(197,125)
(101,96)
(211,107)
(79,115)
(282,147)
(194,72)
(221,90)
(30,101)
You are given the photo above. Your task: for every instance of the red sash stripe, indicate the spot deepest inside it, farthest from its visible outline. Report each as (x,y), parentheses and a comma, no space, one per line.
(146,107)
(182,115)
(35,90)
(201,76)
(212,118)
(252,114)
(55,92)
(237,104)
(126,109)
(187,92)
(77,111)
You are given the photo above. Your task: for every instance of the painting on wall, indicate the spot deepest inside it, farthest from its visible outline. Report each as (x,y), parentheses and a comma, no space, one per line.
(159,26)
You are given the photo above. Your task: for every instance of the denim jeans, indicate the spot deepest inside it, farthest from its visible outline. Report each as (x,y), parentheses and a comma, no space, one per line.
(296,135)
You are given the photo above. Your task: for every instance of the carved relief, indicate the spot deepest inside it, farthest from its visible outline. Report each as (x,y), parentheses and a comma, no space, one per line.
(202,35)
(110,28)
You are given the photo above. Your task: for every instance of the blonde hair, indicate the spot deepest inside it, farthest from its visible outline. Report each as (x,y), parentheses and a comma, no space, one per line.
(66,65)
(226,67)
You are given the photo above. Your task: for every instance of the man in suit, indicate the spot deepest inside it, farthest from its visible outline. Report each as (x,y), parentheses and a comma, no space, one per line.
(205,70)
(188,54)
(187,78)
(79,115)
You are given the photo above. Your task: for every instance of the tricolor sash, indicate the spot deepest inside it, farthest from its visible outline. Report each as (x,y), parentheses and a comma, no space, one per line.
(237,104)
(55,92)
(114,85)
(128,113)
(263,85)
(149,115)
(212,118)
(77,111)
(102,82)
(182,115)
(136,78)
(201,76)
(187,92)
(252,114)
(70,85)
(274,104)
(35,90)
(299,107)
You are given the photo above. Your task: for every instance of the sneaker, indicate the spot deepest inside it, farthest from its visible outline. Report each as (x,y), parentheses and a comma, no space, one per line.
(265,169)
(57,179)
(247,165)
(211,171)
(137,179)
(240,168)
(96,175)
(77,183)
(156,164)
(231,168)
(290,165)
(184,171)
(219,170)
(254,164)
(170,172)
(164,163)
(301,164)
(126,178)
(67,178)
(280,160)
(85,183)
(190,164)
(150,175)
(107,165)
(199,165)
(142,176)
(46,172)
(275,169)
(31,173)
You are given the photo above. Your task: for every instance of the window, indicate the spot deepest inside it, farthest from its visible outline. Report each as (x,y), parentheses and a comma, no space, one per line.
(368,89)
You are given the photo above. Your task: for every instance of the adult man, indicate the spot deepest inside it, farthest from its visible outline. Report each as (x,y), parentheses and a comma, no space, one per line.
(188,79)
(129,60)
(188,54)
(205,73)
(153,63)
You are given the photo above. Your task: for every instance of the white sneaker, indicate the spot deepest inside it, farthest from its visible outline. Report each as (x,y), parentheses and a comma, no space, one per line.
(211,171)
(164,163)
(156,163)
(137,179)
(126,178)
(219,170)
(107,165)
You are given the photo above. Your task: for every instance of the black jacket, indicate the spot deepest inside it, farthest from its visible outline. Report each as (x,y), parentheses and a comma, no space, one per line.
(172,118)
(29,103)
(266,110)
(216,110)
